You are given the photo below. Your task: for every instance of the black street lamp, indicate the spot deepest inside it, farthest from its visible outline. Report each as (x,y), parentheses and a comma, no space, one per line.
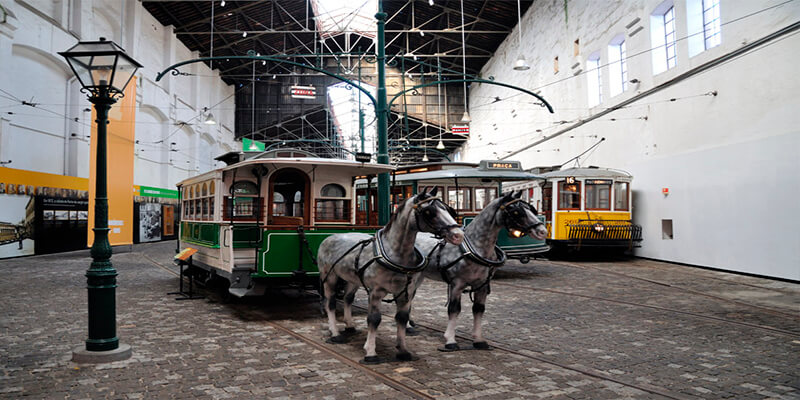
(104,70)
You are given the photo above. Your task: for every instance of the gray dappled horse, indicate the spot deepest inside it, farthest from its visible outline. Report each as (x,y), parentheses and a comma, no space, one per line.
(387,262)
(474,261)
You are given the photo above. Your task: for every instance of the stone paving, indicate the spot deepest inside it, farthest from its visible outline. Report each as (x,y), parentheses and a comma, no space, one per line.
(575,330)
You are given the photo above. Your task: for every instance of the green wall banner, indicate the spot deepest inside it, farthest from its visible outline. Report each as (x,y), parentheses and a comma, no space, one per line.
(148,191)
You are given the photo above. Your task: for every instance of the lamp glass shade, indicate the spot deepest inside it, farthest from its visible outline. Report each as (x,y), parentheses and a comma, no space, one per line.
(425,158)
(466,118)
(210,120)
(440,146)
(521,64)
(101,64)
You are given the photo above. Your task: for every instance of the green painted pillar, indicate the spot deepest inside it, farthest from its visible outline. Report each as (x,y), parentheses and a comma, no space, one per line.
(381,115)
(101,277)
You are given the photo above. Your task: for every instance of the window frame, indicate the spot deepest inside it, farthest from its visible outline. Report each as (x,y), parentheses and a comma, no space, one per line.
(579,192)
(586,194)
(711,6)
(460,188)
(484,189)
(627,196)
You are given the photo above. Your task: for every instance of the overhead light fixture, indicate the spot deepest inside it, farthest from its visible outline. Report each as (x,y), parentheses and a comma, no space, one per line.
(440,146)
(465,118)
(209,117)
(264,62)
(521,64)
(421,32)
(253,145)
(425,158)
(222,4)
(430,2)
(244,34)
(274,76)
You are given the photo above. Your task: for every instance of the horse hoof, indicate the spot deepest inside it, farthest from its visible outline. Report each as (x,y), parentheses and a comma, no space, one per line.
(449,347)
(338,339)
(349,331)
(371,360)
(406,357)
(411,331)
(481,346)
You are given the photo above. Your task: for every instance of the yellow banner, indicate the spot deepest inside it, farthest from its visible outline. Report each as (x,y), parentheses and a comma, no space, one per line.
(121,136)
(39,183)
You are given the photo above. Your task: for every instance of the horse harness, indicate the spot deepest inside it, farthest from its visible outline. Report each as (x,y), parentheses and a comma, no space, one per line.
(468,250)
(379,253)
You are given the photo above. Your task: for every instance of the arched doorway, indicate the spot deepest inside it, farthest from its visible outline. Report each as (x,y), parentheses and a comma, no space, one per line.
(289,197)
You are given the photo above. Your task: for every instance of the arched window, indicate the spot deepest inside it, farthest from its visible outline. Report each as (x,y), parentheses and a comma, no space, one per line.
(211,188)
(205,190)
(332,190)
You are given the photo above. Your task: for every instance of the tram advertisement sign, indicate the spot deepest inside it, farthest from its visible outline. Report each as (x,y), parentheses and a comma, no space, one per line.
(304,92)
(462,130)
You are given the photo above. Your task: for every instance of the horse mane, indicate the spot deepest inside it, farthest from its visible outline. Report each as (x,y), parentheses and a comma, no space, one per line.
(395,214)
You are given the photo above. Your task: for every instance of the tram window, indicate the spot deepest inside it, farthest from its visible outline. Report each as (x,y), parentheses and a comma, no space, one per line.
(244,202)
(598,194)
(278,204)
(547,200)
(459,199)
(332,210)
(569,196)
(332,190)
(484,196)
(621,190)
(298,207)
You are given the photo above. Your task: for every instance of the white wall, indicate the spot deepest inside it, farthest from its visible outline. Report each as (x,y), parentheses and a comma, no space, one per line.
(53,136)
(729,160)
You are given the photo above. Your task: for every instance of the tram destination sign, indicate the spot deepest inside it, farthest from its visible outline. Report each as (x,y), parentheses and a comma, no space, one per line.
(490,165)
(304,92)
(363,157)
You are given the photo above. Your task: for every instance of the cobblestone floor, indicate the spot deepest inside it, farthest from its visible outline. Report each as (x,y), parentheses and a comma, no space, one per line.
(580,330)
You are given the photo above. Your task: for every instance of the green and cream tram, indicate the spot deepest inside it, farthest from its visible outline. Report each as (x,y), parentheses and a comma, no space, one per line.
(259,221)
(466,187)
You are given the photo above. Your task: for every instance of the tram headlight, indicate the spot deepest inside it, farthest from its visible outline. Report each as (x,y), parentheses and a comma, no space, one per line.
(516,233)
(599,228)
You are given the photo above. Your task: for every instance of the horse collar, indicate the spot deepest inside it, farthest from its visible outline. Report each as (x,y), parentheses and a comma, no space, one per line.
(379,255)
(469,251)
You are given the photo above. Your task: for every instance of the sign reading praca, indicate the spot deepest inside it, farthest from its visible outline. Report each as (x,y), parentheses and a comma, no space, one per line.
(304,92)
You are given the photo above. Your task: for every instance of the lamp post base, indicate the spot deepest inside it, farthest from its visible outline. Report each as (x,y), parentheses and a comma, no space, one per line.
(82,356)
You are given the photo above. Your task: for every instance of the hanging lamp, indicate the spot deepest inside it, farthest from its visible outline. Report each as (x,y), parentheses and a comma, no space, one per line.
(464,118)
(521,64)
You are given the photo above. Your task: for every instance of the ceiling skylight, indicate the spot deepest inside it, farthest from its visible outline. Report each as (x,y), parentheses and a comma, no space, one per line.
(335,17)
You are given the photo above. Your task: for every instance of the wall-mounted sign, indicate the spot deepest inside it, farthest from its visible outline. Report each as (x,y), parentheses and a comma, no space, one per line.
(460,130)
(500,165)
(598,181)
(304,92)
(363,157)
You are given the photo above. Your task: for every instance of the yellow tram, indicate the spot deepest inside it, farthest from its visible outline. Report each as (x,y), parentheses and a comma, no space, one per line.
(586,208)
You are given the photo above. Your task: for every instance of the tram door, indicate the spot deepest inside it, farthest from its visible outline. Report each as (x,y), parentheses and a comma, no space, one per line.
(289,198)
(226,246)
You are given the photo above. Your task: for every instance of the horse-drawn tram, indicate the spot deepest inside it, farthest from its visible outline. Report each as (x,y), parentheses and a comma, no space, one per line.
(585,208)
(467,188)
(259,221)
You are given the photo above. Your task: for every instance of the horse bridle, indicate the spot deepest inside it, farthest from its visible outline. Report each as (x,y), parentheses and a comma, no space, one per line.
(425,209)
(511,215)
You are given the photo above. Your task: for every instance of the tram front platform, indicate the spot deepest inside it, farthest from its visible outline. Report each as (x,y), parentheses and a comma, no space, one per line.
(559,329)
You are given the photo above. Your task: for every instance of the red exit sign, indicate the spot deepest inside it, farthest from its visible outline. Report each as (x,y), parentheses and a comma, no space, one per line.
(460,130)
(304,92)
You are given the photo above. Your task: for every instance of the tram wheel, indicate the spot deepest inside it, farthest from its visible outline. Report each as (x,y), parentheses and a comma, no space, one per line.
(524,259)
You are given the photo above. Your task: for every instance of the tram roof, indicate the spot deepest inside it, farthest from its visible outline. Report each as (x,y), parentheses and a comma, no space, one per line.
(352,167)
(590,172)
(467,173)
